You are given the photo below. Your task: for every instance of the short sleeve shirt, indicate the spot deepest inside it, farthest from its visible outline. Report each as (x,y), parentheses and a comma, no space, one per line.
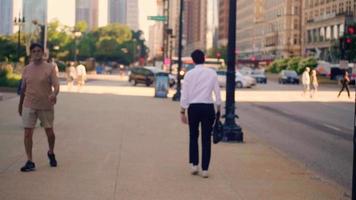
(38,81)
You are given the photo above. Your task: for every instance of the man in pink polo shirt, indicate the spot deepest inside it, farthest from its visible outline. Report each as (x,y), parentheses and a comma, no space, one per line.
(39,90)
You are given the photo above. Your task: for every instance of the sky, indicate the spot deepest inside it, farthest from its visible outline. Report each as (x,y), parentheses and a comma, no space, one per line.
(64,11)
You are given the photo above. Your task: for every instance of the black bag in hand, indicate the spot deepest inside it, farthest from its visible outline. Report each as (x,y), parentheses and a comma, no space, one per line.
(217,129)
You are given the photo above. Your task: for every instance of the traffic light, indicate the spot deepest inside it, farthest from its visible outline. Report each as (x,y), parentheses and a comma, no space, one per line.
(348,43)
(351,29)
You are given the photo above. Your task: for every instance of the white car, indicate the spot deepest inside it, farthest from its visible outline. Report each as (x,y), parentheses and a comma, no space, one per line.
(241,80)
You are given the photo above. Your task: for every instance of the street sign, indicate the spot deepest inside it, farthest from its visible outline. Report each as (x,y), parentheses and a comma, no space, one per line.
(157,18)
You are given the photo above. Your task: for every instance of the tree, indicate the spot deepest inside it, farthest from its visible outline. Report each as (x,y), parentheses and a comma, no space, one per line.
(59,40)
(8,46)
(293,63)
(307,62)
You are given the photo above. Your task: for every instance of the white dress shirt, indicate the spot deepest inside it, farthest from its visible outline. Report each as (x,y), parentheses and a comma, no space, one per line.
(199,85)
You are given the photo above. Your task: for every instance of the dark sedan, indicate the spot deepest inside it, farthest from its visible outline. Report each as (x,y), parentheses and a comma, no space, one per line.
(288,76)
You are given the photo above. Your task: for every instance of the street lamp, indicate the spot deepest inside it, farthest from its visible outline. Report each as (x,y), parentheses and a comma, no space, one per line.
(232,131)
(19,22)
(176,96)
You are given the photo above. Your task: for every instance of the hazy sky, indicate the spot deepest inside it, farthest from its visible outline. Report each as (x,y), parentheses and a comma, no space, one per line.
(64,11)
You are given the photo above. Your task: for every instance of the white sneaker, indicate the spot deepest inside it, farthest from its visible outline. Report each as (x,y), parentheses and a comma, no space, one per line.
(194,170)
(204,174)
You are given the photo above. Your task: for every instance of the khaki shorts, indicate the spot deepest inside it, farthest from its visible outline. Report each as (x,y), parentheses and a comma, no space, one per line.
(29,117)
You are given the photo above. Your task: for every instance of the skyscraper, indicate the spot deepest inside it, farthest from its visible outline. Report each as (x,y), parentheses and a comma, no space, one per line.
(6,16)
(88,11)
(34,10)
(132,14)
(195,18)
(123,12)
(117,11)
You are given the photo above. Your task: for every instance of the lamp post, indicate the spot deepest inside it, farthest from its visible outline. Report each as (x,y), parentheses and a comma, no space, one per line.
(19,22)
(232,131)
(176,96)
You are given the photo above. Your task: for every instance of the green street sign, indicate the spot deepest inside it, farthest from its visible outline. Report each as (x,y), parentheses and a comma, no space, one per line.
(157,18)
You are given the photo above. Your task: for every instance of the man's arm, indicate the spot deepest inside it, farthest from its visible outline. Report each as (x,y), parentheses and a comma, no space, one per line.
(217,94)
(22,97)
(184,100)
(55,85)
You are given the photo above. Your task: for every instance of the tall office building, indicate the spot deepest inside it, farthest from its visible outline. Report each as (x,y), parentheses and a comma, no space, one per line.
(195,25)
(88,11)
(34,10)
(6,16)
(323,23)
(223,31)
(155,35)
(117,11)
(124,12)
(268,29)
(212,24)
(132,14)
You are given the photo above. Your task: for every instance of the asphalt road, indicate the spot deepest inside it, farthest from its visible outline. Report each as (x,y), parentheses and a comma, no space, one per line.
(317,134)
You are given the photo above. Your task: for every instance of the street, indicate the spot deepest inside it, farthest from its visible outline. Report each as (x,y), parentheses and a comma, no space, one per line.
(115,141)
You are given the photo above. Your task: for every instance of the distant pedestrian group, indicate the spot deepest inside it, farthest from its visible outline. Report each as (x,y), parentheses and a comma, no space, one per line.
(310,82)
(76,74)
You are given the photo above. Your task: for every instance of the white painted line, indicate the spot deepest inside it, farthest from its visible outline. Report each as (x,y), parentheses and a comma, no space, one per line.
(332,127)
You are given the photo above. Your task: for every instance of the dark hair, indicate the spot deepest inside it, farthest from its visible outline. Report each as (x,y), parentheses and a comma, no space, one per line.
(34,45)
(198,56)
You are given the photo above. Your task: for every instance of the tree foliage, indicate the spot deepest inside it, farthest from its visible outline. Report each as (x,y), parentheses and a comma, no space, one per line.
(296,63)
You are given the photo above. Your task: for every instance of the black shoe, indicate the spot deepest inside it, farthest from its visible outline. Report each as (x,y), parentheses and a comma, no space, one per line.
(52,159)
(29,166)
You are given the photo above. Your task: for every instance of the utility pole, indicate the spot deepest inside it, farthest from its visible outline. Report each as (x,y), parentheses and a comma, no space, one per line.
(176,96)
(19,22)
(232,131)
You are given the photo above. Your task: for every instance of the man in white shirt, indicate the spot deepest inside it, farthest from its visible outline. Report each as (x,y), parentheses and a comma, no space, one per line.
(199,85)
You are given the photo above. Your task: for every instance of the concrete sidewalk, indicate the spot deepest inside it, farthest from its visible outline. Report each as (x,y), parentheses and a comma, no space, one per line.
(134,147)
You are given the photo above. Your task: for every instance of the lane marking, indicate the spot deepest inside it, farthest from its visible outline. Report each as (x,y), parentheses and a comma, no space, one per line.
(332,127)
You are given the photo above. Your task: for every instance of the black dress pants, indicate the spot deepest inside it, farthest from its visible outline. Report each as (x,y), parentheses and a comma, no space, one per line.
(204,115)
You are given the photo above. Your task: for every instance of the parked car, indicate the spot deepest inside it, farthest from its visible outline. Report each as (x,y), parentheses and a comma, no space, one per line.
(259,75)
(241,80)
(249,79)
(288,76)
(141,75)
(146,75)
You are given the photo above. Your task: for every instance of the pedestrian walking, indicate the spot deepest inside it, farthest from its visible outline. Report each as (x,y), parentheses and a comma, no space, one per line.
(314,83)
(345,84)
(200,84)
(40,87)
(71,75)
(306,81)
(81,76)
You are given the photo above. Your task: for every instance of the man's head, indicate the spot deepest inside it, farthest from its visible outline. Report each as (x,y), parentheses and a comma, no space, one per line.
(307,69)
(37,52)
(198,56)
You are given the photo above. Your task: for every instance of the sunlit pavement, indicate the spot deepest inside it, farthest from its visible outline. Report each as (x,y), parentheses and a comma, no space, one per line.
(115,141)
